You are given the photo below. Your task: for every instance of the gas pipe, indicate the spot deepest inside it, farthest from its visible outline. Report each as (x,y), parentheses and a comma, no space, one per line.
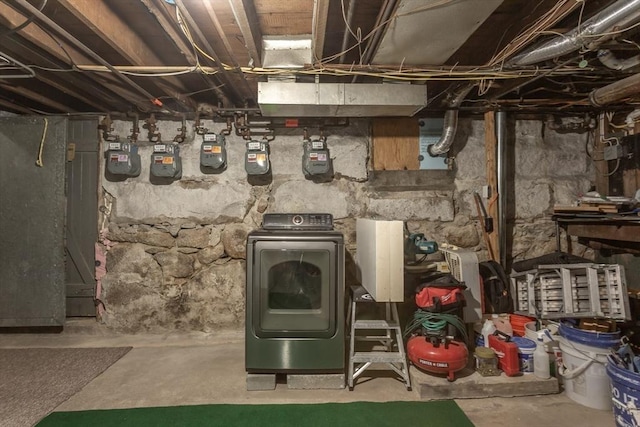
(444,357)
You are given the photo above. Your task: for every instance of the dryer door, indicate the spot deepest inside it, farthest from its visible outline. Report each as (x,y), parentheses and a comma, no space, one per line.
(294,289)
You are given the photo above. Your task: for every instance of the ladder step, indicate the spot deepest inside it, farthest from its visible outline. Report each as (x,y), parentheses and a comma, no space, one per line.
(375,324)
(377,357)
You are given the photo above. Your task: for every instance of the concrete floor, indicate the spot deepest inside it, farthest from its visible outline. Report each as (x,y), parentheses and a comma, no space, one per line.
(198,368)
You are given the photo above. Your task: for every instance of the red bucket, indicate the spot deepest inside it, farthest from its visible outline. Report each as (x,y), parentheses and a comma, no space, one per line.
(517,323)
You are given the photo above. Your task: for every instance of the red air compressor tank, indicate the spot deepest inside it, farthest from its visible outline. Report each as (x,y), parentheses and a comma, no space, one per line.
(446,357)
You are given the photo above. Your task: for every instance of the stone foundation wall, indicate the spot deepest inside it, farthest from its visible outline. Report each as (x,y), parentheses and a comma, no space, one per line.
(176,253)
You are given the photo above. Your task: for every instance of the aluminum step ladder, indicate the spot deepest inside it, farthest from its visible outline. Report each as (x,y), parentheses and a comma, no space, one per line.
(386,332)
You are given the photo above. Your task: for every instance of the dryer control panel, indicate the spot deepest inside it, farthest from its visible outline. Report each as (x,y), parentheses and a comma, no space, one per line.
(297,221)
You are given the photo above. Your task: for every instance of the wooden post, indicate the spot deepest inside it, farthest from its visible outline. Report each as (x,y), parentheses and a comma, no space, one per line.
(490,148)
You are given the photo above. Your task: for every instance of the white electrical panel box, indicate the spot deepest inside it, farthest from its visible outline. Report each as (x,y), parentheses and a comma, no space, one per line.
(380,258)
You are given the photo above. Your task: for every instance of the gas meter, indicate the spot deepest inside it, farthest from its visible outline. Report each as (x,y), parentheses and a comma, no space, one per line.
(166,162)
(315,160)
(123,159)
(256,160)
(213,152)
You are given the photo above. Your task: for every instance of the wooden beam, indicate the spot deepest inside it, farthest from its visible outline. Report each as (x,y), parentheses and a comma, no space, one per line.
(247,19)
(247,92)
(38,97)
(319,27)
(112,30)
(624,232)
(76,86)
(158,9)
(10,106)
(490,150)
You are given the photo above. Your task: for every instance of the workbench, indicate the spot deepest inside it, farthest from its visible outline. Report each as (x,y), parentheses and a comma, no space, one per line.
(607,231)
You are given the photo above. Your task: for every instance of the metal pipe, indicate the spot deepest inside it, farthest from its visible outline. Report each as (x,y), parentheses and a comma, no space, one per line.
(450,124)
(347,29)
(615,91)
(78,44)
(501,136)
(381,25)
(608,59)
(618,15)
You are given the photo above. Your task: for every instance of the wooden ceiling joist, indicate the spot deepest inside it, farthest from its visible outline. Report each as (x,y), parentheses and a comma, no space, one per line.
(319,27)
(112,30)
(38,97)
(247,19)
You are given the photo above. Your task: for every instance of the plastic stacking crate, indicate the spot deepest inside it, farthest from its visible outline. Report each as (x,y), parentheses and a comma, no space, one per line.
(572,290)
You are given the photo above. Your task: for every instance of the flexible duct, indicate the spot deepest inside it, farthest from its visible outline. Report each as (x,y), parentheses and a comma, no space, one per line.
(609,60)
(620,14)
(450,124)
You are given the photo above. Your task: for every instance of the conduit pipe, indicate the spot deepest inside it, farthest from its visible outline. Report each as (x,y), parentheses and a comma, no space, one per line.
(78,44)
(620,14)
(615,91)
(450,124)
(347,29)
(501,165)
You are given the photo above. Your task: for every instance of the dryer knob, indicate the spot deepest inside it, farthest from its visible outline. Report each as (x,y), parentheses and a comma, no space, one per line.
(297,220)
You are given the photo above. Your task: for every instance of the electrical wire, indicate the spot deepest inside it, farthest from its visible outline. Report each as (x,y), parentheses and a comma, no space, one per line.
(23,24)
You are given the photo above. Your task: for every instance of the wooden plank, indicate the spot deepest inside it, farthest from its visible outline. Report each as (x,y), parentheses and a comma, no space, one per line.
(624,232)
(395,144)
(319,26)
(586,208)
(247,19)
(490,150)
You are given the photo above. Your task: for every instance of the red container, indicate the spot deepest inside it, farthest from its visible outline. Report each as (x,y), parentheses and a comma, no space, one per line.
(507,353)
(517,323)
(445,358)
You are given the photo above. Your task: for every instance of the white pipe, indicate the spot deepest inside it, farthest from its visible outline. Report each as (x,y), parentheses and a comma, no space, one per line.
(608,59)
(630,120)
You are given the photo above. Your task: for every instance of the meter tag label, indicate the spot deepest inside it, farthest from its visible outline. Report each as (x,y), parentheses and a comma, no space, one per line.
(317,145)
(322,157)
(262,158)
(167,160)
(252,157)
(216,149)
(158,159)
(254,146)
(114,146)
(114,158)
(206,148)
(159,148)
(210,137)
(313,156)
(123,158)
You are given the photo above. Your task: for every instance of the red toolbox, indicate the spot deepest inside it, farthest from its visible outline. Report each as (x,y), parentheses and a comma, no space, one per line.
(507,352)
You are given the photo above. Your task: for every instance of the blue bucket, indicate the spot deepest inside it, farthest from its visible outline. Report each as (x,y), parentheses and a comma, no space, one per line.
(590,338)
(625,394)
(526,347)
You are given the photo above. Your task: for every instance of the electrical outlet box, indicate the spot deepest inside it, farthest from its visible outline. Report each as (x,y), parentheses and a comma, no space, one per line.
(613,152)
